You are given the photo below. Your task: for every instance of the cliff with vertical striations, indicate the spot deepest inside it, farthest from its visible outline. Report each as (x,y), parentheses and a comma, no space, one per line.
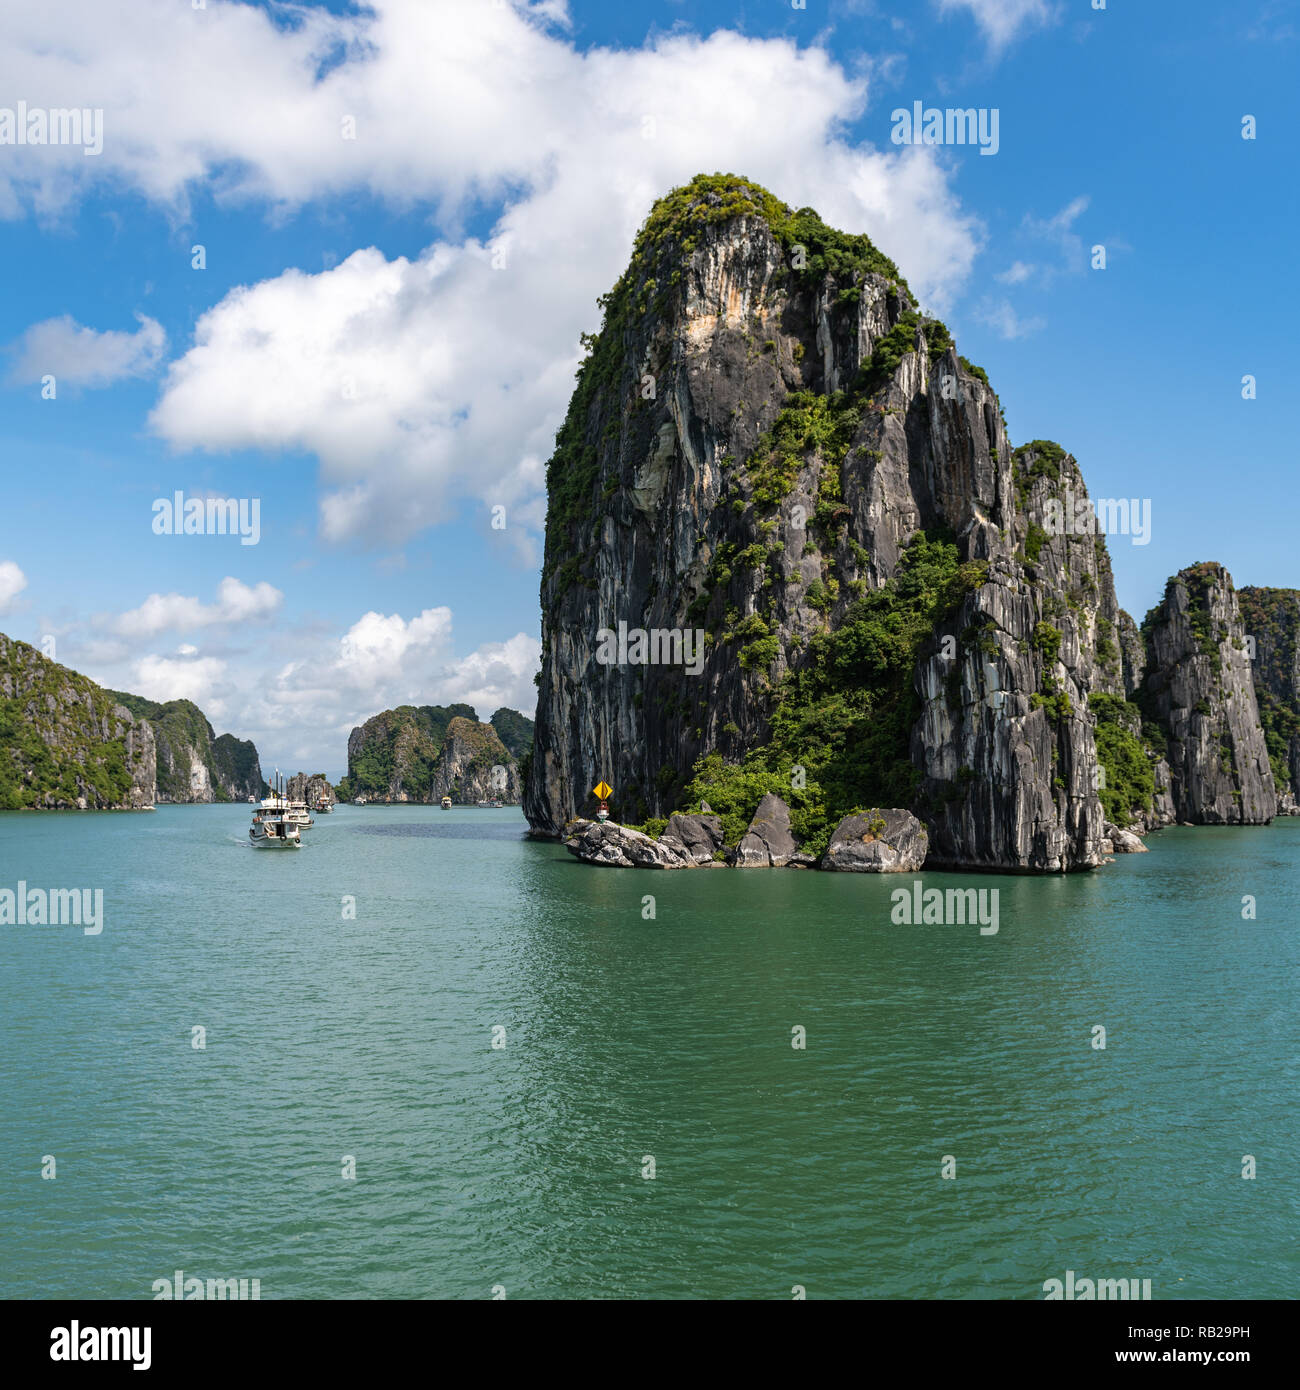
(1198,689)
(1271,618)
(194,765)
(769,443)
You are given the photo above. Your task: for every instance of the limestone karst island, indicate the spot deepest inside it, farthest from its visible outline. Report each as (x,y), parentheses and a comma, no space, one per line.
(893,636)
(911,654)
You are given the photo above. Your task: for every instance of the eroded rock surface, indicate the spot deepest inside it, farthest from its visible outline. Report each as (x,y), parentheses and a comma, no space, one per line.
(616,847)
(877,842)
(768,843)
(1199,689)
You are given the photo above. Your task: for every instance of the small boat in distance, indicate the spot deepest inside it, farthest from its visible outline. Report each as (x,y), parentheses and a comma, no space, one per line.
(446,803)
(272,827)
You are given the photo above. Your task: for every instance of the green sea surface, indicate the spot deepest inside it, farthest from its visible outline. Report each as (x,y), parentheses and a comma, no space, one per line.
(351,993)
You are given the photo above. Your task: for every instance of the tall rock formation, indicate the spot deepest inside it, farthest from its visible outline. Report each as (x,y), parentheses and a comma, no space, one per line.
(315,790)
(66,742)
(770,443)
(474,765)
(236,768)
(392,755)
(1271,618)
(194,765)
(1199,690)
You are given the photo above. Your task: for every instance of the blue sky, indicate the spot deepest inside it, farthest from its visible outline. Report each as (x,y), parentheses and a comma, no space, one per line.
(382,342)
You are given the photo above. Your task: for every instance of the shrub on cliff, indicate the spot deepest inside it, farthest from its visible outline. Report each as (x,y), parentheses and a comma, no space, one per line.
(845,716)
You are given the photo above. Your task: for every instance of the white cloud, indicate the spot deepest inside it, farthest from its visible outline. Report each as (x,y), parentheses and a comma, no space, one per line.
(999,315)
(165,678)
(1058,231)
(419,382)
(328,688)
(1002,21)
(498,673)
(1016,273)
(12,582)
(236,603)
(1068,254)
(374,650)
(326,682)
(85,357)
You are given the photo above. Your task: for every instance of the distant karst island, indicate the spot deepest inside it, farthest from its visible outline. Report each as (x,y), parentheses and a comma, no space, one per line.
(69,744)
(423,753)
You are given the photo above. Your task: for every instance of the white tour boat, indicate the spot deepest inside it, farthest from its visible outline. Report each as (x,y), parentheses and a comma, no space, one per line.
(273,826)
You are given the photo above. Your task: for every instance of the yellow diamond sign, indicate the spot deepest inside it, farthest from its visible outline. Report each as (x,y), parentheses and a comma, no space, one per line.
(602,790)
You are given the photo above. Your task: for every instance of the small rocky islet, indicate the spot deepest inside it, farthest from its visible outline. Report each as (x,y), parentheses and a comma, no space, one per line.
(770,442)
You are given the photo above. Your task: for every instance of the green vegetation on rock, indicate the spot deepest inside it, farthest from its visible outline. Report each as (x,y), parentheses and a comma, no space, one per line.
(809,423)
(52,745)
(606,394)
(399,747)
(846,716)
(514,730)
(184,737)
(709,199)
(1126,760)
(1272,618)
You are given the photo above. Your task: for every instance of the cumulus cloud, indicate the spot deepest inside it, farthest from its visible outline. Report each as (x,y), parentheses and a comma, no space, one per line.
(327,680)
(373,652)
(201,679)
(12,582)
(498,673)
(1002,21)
(419,382)
(236,603)
(84,356)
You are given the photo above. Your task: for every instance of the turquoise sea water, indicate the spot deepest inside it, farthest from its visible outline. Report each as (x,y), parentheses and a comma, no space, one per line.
(627,1037)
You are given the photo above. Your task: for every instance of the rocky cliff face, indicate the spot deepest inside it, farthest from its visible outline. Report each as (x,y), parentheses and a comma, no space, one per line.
(314,790)
(236,768)
(391,756)
(194,765)
(1271,618)
(474,765)
(423,753)
(65,741)
(768,443)
(1198,689)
